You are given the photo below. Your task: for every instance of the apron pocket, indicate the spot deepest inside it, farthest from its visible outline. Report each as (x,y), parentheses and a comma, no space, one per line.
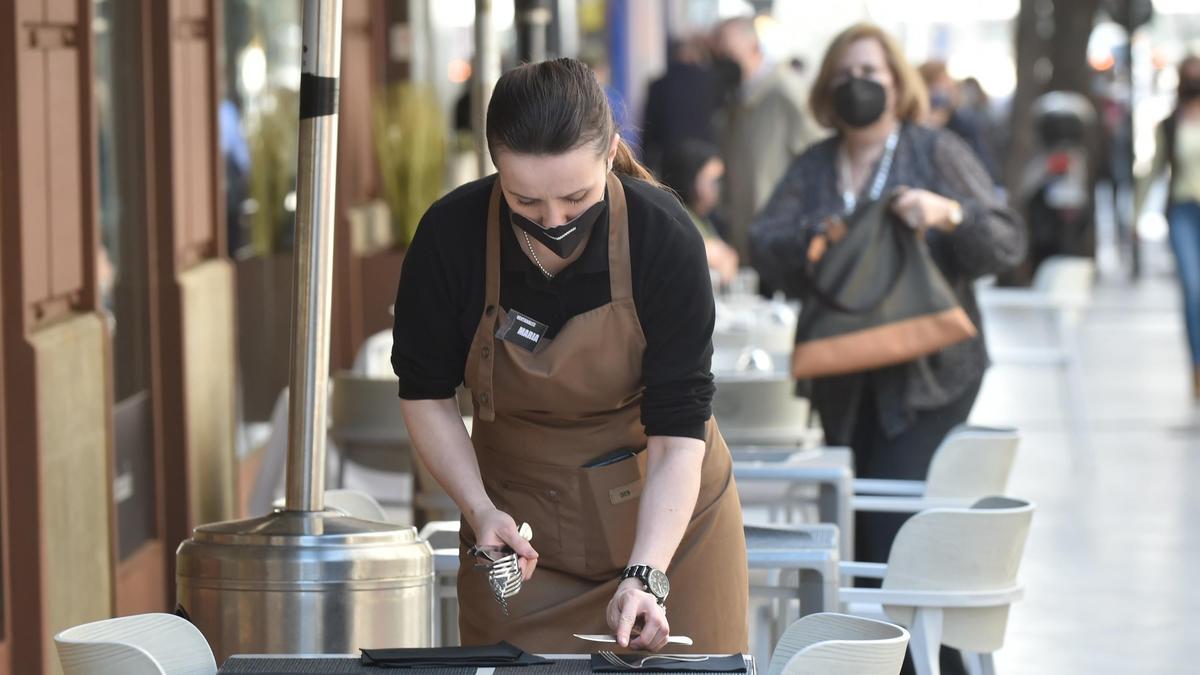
(537,505)
(612,494)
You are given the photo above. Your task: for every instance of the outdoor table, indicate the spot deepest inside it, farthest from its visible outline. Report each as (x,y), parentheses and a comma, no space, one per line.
(830,470)
(349,664)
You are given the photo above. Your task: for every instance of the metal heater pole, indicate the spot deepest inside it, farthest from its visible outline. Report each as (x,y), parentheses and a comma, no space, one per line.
(313,267)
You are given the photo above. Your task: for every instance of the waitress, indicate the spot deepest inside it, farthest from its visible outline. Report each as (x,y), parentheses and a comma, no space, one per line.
(572,296)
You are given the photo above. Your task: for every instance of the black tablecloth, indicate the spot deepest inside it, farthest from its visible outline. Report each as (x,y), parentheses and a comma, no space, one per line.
(349,665)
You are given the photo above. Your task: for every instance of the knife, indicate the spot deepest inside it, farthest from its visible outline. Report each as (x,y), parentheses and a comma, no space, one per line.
(674,639)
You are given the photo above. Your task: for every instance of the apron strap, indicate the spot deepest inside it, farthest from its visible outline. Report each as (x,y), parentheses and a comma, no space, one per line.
(620,274)
(485,334)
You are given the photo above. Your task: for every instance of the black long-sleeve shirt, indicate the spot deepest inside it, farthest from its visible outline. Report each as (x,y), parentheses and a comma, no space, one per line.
(441,296)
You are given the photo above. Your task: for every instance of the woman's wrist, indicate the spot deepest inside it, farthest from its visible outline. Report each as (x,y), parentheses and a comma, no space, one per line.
(477,510)
(631,583)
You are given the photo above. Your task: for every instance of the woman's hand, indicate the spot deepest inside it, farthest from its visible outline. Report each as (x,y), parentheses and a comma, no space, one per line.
(494,527)
(629,604)
(922,210)
(723,258)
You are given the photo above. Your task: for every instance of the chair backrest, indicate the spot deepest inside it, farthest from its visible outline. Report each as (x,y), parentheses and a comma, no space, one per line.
(145,644)
(756,402)
(374,358)
(838,644)
(355,503)
(367,405)
(1064,276)
(972,462)
(964,550)
(1068,279)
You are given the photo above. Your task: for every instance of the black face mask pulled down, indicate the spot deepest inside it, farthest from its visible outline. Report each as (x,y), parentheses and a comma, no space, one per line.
(565,239)
(859,102)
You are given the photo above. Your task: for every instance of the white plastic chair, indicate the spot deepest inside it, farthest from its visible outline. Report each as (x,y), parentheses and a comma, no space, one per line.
(353,503)
(755,408)
(365,423)
(971,463)
(1060,295)
(268,484)
(442,535)
(950,579)
(374,358)
(839,644)
(145,644)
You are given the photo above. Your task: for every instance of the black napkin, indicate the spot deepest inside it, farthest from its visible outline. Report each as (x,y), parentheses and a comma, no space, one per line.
(734,663)
(499,655)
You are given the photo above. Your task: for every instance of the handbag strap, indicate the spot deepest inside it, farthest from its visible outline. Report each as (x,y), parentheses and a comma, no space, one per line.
(808,274)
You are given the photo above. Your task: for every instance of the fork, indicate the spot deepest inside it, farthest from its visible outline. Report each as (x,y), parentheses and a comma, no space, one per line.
(504,573)
(505,579)
(615,660)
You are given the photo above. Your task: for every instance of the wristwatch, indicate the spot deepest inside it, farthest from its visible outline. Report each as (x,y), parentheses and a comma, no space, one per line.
(655,581)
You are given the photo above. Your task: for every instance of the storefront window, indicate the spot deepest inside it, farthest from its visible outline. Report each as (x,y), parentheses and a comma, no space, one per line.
(123,266)
(259,123)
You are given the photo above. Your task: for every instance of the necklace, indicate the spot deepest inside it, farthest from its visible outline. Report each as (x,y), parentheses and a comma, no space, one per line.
(533,253)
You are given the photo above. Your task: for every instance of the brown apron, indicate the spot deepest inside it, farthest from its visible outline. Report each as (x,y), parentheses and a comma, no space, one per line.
(539,417)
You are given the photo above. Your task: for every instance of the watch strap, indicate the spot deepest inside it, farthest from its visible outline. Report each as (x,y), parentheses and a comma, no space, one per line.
(642,574)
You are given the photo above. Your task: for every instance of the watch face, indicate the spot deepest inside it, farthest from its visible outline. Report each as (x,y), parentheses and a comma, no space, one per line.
(659,586)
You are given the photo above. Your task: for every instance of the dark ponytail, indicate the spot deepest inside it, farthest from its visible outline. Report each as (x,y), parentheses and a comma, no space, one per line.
(552,107)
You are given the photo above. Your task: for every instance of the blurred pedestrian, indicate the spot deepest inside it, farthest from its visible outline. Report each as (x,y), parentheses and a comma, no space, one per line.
(680,105)
(893,417)
(693,169)
(598,61)
(1178,153)
(947,111)
(763,126)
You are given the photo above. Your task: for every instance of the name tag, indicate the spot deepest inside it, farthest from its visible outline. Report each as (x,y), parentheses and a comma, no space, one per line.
(522,331)
(624,493)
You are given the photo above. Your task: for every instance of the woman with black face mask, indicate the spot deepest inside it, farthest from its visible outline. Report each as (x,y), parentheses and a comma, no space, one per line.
(893,417)
(1179,153)
(571,295)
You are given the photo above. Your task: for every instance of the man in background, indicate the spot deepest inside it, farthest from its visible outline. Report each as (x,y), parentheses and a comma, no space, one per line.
(763,125)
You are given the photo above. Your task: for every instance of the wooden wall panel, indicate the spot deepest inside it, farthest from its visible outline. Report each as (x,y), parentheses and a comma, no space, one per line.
(33,168)
(194,381)
(64,177)
(357,174)
(200,110)
(55,348)
(5,572)
(75,489)
(62,11)
(209,361)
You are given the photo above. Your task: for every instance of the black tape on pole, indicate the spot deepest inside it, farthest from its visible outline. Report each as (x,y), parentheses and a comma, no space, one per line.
(318,96)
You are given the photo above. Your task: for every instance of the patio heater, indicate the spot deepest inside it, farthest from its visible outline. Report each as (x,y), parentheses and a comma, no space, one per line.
(305,579)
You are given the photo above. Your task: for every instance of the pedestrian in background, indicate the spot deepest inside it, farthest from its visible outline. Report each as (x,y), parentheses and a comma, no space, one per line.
(947,111)
(680,105)
(762,127)
(893,417)
(1178,152)
(693,169)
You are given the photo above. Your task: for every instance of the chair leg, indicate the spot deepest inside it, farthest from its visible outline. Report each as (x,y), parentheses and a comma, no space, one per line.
(986,665)
(926,641)
(971,662)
